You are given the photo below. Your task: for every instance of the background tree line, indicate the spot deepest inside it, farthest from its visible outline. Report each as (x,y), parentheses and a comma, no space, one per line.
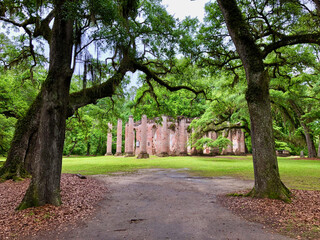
(223,109)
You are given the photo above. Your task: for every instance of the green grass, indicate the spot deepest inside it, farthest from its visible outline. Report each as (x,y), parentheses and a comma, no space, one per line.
(298,174)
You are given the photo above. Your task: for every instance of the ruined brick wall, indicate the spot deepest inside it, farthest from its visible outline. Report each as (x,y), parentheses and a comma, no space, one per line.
(168,136)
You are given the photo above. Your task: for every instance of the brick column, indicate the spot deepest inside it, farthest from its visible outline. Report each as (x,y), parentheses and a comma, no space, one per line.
(164,138)
(242,143)
(143,144)
(182,137)
(230,147)
(109,140)
(126,138)
(130,139)
(119,138)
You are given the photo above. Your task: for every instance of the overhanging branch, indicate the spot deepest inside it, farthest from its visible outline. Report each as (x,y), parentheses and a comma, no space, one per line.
(106,89)
(151,75)
(292,40)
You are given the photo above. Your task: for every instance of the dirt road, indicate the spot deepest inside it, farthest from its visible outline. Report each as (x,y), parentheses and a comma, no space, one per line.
(167,204)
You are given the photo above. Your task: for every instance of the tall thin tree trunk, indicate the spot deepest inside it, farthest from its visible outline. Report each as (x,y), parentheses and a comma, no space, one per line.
(266,172)
(88,148)
(71,150)
(46,145)
(312,153)
(99,147)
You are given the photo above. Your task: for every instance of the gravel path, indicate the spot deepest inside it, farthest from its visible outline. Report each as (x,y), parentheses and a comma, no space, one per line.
(167,204)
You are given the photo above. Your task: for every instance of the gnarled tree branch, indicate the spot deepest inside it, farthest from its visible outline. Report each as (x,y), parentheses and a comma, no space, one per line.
(106,89)
(151,75)
(291,40)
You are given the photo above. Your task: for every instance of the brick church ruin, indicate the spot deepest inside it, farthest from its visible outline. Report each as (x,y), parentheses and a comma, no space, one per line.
(149,137)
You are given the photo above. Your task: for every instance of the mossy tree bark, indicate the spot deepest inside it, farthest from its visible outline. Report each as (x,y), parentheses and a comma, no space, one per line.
(17,165)
(266,171)
(19,161)
(45,145)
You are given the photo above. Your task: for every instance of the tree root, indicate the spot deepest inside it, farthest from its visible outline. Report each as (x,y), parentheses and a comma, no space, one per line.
(283,194)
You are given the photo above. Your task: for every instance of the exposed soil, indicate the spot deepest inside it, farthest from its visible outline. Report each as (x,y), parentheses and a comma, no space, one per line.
(155,204)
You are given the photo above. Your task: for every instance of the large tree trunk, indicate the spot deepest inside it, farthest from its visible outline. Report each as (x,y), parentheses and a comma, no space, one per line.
(17,165)
(46,144)
(49,102)
(71,150)
(266,172)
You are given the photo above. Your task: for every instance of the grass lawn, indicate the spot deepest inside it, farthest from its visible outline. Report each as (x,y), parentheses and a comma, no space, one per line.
(297,174)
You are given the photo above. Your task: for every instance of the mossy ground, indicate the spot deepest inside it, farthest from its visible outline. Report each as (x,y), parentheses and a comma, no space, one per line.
(297,174)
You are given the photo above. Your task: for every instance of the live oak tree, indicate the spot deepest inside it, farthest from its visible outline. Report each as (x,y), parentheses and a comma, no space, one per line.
(141,36)
(226,111)
(294,96)
(240,34)
(69,27)
(258,28)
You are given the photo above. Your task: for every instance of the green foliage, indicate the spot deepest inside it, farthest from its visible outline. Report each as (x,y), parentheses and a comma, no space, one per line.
(294,95)
(6,133)
(16,95)
(282,146)
(220,143)
(228,109)
(155,100)
(210,64)
(86,131)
